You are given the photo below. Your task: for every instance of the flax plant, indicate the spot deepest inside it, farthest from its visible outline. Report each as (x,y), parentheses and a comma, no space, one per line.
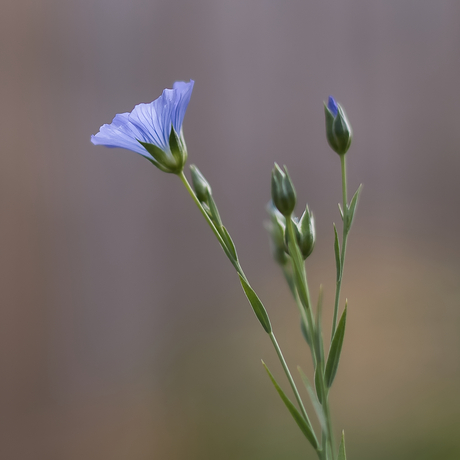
(155,131)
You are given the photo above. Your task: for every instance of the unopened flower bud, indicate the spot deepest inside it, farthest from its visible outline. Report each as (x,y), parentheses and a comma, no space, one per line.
(307,236)
(304,230)
(283,193)
(200,184)
(338,129)
(276,228)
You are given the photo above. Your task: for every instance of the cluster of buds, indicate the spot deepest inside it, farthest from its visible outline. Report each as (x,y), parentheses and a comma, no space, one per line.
(281,208)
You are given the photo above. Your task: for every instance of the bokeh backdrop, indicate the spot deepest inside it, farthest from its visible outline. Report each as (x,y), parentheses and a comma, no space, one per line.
(124,333)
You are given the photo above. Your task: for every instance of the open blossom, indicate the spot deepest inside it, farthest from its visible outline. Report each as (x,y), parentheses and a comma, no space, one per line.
(153,130)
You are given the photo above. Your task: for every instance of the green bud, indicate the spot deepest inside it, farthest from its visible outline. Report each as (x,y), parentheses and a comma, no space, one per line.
(304,230)
(200,184)
(338,129)
(276,228)
(283,193)
(307,236)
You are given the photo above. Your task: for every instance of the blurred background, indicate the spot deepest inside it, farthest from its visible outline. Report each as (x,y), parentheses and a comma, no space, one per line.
(124,333)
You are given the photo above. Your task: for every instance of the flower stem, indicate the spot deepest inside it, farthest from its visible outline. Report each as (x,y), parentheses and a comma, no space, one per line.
(344,244)
(241,273)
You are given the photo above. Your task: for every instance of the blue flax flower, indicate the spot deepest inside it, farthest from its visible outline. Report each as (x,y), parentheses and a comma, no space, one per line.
(153,130)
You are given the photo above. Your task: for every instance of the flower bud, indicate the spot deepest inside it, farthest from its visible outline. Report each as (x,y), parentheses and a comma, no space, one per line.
(338,129)
(283,193)
(276,228)
(306,236)
(200,184)
(304,230)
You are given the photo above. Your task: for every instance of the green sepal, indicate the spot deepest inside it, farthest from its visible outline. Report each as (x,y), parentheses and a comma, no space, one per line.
(337,254)
(314,400)
(336,348)
(341,454)
(304,426)
(342,131)
(161,159)
(228,242)
(352,208)
(256,305)
(178,148)
(329,129)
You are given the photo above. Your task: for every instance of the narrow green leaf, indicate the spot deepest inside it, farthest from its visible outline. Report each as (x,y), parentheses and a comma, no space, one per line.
(215,216)
(319,347)
(229,242)
(341,455)
(336,348)
(306,335)
(256,305)
(352,207)
(315,401)
(319,382)
(337,253)
(304,426)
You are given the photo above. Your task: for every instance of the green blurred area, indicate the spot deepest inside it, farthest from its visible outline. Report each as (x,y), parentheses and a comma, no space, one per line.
(123,330)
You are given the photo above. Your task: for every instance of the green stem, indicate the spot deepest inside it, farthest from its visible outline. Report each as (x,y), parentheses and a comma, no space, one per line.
(330,440)
(210,223)
(301,284)
(241,273)
(289,376)
(344,245)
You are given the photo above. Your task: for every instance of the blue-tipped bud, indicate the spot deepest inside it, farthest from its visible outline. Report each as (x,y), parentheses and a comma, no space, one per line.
(200,185)
(283,193)
(276,228)
(338,129)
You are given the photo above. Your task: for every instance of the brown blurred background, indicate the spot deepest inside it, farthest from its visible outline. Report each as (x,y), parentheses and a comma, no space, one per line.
(124,333)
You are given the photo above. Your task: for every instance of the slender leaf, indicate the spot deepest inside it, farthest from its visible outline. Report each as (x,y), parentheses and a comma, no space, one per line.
(256,305)
(303,424)
(341,455)
(337,254)
(336,348)
(352,207)
(229,242)
(319,382)
(319,347)
(306,335)
(215,216)
(315,401)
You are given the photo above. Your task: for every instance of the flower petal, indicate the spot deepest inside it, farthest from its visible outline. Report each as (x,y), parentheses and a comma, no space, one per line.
(120,133)
(332,106)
